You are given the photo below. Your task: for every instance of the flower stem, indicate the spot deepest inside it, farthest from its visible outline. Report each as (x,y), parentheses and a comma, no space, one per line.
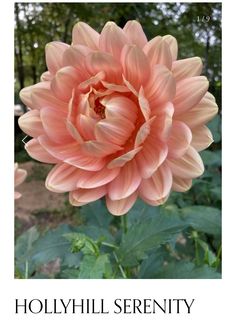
(119,265)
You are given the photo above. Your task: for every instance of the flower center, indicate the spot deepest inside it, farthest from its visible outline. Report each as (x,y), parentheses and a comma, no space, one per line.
(99,108)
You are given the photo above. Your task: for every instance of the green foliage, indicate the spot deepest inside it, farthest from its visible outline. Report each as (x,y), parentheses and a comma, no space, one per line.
(95,267)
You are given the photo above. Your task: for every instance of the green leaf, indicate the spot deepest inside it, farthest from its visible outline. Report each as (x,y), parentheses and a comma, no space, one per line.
(52,245)
(186,270)
(209,257)
(146,236)
(152,264)
(203,218)
(93,267)
(23,252)
(81,242)
(96,214)
(215,127)
(211,158)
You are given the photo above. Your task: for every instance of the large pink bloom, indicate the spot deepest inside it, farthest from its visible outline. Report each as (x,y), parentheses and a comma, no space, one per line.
(119,116)
(19,177)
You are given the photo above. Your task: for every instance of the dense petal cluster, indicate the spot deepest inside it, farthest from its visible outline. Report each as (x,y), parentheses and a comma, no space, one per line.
(120,117)
(19,177)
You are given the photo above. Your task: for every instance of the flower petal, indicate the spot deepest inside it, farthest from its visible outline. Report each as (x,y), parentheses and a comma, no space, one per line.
(135,66)
(84,196)
(19,177)
(200,114)
(83,34)
(157,51)
(89,179)
(114,130)
(180,184)
(134,32)
(54,53)
(156,202)
(143,132)
(202,138)
(124,158)
(121,206)
(188,166)
(31,123)
(36,151)
(46,76)
(99,148)
(75,56)
(42,96)
(120,107)
(144,104)
(25,96)
(151,156)
(179,139)
(64,82)
(55,125)
(62,178)
(173,45)
(185,68)
(102,61)
(125,183)
(112,39)
(189,92)
(71,154)
(86,126)
(160,87)
(158,185)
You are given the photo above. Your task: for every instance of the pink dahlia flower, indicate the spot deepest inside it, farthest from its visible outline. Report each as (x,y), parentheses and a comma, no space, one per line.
(120,117)
(19,177)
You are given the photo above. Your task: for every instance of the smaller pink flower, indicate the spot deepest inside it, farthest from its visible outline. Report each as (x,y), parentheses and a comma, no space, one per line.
(20,176)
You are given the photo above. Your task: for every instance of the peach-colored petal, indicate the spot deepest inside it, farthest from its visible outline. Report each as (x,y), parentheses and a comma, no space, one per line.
(180,184)
(134,32)
(185,68)
(75,56)
(188,166)
(83,196)
(46,76)
(17,195)
(64,82)
(62,178)
(99,148)
(144,104)
(200,114)
(36,151)
(42,96)
(189,92)
(124,158)
(160,87)
(102,61)
(92,81)
(126,182)
(115,130)
(135,66)
(25,96)
(156,202)
(179,139)
(163,122)
(173,45)
(120,107)
(151,156)
(121,206)
(71,154)
(143,132)
(89,179)
(54,53)
(202,138)
(129,86)
(158,185)
(115,87)
(55,125)
(86,126)
(157,51)
(20,176)
(83,34)
(112,39)
(31,123)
